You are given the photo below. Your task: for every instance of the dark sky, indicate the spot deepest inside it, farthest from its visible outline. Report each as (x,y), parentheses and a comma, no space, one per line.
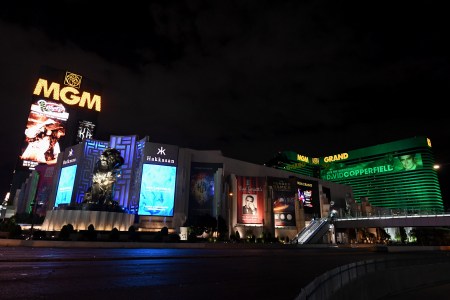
(249,78)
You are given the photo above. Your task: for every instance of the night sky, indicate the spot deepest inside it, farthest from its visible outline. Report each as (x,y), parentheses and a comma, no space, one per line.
(249,78)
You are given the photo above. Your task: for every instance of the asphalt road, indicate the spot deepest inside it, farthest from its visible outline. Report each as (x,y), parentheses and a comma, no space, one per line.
(91,273)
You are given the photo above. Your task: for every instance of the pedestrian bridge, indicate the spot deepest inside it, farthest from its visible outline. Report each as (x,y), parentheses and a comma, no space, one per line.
(318,227)
(414,220)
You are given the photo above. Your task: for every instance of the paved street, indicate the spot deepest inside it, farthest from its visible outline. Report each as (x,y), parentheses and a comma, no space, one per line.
(92,273)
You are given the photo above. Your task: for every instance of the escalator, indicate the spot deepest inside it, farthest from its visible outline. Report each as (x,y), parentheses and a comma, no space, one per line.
(312,233)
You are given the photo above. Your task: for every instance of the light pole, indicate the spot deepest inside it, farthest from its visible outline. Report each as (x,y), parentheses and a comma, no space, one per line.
(230,218)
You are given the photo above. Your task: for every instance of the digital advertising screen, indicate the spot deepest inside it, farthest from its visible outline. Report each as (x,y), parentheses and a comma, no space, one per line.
(390,163)
(65,185)
(46,126)
(79,95)
(157,195)
(308,195)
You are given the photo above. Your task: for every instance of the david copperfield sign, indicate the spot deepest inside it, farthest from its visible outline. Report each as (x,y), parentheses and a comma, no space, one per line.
(386,165)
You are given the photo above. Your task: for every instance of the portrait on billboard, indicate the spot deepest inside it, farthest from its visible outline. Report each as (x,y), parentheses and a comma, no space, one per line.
(250,199)
(408,162)
(249,204)
(45,127)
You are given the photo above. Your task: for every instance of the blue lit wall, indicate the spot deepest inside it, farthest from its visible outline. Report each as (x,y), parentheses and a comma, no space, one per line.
(91,153)
(122,189)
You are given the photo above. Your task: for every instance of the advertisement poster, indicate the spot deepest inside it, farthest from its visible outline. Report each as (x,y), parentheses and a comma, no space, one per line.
(283,199)
(46,125)
(308,195)
(157,194)
(250,199)
(44,188)
(391,163)
(65,185)
(201,188)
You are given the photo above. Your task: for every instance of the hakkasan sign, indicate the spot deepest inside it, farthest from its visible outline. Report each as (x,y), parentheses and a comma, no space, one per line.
(390,164)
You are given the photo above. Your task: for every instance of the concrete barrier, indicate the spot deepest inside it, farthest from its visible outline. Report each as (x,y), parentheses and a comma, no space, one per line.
(376,279)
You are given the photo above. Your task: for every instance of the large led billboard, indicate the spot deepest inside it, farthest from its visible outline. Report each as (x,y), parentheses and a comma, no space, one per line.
(157,195)
(308,196)
(65,185)
(387,164)
(45,127)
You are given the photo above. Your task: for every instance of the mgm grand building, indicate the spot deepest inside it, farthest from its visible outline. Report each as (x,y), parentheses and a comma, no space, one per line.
(396,177)
(162,185)
(63,166)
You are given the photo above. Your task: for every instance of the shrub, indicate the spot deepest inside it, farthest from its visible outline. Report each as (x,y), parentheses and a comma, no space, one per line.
(10,225)
(133,234)
(91,234)
(114,235)
(173,238)
(65,232)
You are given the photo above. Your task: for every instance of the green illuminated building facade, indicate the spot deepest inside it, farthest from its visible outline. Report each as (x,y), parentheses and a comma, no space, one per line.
(397,175)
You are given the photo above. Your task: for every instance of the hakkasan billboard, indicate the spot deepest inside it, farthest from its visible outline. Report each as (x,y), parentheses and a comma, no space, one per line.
(399,163)
(159,172)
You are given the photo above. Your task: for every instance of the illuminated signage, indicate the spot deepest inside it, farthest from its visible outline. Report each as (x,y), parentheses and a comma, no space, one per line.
(300,183)
(157,195)
(70,160)
(315,160)
(406,162)
(161,154)
(85,130)
(335,157)
(69,94)
(308,196)
(46,126)
(65,185)
(302,158)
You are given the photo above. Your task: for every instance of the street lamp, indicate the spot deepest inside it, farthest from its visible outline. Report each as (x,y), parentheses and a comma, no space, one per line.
(442,172)
(438,166)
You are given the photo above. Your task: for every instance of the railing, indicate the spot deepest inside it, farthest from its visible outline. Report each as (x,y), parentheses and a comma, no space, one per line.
(424,214)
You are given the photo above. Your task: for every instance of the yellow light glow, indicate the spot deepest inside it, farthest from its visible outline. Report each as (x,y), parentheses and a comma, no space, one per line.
(68,95)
